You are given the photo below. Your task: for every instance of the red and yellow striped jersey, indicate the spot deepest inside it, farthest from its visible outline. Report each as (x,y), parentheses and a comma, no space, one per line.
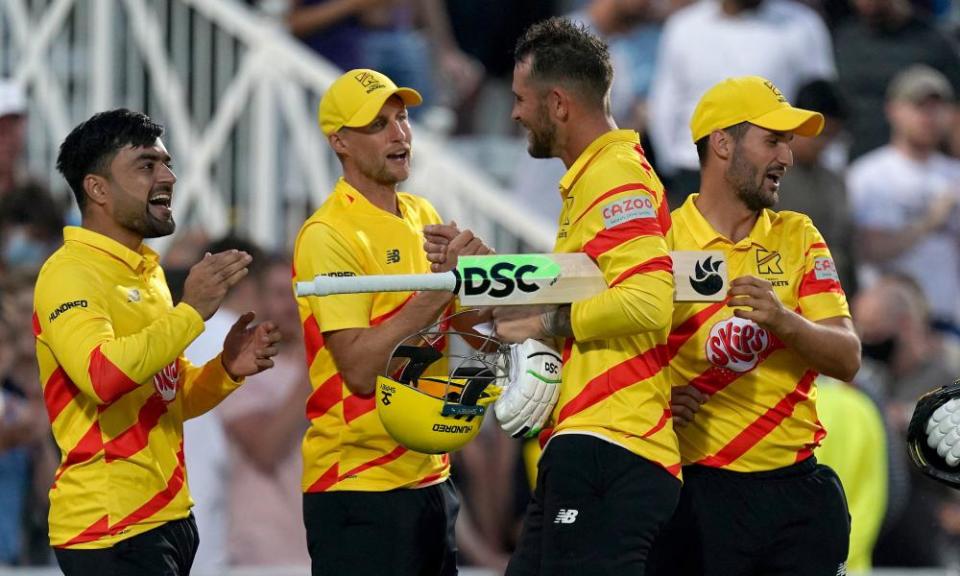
(346,446)
(117,388)
(762,413)
(615,383)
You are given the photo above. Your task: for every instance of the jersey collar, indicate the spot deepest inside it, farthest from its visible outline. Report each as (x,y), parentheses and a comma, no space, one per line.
(587,156)
(106,244)
(350,196)
(705,235)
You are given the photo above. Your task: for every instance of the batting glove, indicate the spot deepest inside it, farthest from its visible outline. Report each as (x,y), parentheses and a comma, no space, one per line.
(533,389)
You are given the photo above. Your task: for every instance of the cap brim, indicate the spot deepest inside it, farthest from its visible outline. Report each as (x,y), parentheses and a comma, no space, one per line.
(370,109)
(789,119)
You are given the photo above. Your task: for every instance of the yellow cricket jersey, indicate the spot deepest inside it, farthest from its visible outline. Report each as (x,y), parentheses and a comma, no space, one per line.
(615,382)
(117,389)
(761,414)
(346,446)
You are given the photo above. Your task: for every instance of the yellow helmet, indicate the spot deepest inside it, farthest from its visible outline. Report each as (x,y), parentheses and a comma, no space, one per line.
(431,414)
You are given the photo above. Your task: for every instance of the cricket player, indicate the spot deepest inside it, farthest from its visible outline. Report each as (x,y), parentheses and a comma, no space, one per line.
(370,505)
(754,501)
(609,476)
(110,346)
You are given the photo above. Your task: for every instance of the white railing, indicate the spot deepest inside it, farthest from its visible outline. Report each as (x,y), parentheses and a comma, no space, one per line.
(238,97)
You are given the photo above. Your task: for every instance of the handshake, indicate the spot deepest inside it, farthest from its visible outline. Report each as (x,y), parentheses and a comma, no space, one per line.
(534,386)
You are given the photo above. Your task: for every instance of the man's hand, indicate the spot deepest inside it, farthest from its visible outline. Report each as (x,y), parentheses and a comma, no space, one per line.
(685,402)
(210,279)
(518,323)
(766,309)
(247,349)
(444,243)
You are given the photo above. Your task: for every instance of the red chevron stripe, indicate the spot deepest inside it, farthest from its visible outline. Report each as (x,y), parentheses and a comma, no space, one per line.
(89,445)
(809,285)
(679,335)
(643,158)
(109,382)
(327,479)
(814,246)
(715,378)
(312,339)
(136,437)
(430,479)
(663,215)
(655,264)
(567,350)
(355,406)
(818,437)
(759,428)
(673,469)
(388,315)
(37,330)
(664,418)
(624,374)
(58,392)
(325,397)
(159,501)
(608,239)
(95,531)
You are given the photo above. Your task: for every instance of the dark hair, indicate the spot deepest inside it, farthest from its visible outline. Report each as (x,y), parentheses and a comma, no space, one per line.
(703,145)
(822,96)
(567,53)
(93,144)
(32,204)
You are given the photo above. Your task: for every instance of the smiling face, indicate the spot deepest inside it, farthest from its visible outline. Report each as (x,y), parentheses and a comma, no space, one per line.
(530,111)
(140,189)
(381,150)
(760,159)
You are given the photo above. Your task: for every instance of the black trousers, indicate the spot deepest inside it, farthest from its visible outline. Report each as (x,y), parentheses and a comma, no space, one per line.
(595,511)
(787,522)
(167,550)
(399,532)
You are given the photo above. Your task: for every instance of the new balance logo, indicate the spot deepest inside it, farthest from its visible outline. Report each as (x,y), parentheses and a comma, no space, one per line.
(566,516)
(842,569)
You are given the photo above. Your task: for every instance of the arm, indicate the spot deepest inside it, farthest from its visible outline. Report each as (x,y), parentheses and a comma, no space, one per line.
(362,353)
(829,346)
(880,244)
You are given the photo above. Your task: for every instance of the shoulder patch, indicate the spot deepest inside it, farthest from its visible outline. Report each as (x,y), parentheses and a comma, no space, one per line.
(625,209)
(824,269)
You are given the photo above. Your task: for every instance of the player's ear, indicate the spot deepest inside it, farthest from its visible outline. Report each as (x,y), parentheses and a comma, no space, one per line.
(722,144)
(338,143)
(95,187)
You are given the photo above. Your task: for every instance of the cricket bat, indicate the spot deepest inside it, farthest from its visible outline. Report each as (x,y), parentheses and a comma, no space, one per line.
(516,279)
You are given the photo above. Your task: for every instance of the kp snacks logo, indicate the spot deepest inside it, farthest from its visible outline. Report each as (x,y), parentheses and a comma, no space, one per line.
(736,344)
(166,382)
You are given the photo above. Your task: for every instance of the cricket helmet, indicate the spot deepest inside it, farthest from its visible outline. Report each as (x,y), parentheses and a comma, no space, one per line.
(438,414)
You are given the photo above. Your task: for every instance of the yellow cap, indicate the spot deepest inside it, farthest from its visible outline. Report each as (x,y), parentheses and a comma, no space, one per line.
(356,97)
(751,99)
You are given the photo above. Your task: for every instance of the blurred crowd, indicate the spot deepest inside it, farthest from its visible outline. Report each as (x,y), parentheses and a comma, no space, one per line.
(882,183)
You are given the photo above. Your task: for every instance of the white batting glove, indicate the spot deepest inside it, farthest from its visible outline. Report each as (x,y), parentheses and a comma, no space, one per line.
(529,397)
(943,431)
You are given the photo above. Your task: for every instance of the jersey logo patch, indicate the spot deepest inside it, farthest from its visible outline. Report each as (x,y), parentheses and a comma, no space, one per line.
(768,262)
(707,279)
(393,256)
(167,381)
(824,269)
(566,516)
(736,344)
(133,295)
(627,209)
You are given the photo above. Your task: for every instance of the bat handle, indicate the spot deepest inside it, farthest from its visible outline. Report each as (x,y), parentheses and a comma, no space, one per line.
(327,285)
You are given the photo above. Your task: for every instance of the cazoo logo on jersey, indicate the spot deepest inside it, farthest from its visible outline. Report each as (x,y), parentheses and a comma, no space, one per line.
(626,209)
(736,344)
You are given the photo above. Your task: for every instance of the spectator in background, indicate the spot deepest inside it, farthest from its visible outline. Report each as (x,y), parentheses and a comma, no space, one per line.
(31,226)
(264,424)
(856,449)
(885,38)
(710,40)
(906,359)
(13,135)
(28,456)
(811,188)
(904,195)
(386,35)
(205,443)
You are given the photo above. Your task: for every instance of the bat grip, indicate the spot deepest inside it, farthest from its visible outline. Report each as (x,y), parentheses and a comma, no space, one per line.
(327,285)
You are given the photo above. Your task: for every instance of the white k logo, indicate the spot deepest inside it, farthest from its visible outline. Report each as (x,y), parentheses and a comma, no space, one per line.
(566,516)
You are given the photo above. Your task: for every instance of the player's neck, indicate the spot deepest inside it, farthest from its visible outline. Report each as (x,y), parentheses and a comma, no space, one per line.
(383,196)
(587,130)
(725,212)
(103,224)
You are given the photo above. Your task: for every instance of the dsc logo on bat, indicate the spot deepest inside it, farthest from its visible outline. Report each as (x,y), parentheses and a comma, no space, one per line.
(499,281)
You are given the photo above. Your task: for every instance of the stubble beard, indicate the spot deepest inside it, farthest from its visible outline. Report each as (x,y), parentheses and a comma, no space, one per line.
(746,181)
